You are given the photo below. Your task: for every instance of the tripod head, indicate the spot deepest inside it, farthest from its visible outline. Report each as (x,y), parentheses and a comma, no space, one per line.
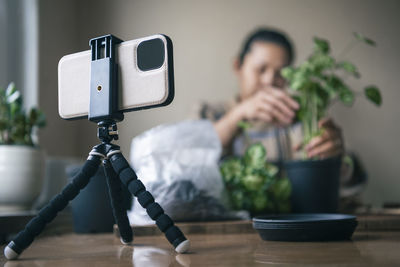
(107,131)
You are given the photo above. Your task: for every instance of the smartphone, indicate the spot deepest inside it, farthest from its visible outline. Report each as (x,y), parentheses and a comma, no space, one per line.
(145,77)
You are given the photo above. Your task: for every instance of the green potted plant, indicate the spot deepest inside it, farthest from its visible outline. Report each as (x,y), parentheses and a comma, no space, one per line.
(21,160)
(253,184)
(316,84)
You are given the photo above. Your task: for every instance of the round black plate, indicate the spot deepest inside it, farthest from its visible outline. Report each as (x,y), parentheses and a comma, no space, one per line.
(305,227)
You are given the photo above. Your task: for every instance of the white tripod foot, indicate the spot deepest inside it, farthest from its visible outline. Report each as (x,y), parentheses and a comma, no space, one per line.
(125,243)
(183,247)
(10,253)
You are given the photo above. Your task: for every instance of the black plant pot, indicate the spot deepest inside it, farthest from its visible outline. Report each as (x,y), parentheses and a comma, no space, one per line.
(315,185)
(91,209)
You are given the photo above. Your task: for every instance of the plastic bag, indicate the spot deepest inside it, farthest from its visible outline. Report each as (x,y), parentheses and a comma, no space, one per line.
(178,164)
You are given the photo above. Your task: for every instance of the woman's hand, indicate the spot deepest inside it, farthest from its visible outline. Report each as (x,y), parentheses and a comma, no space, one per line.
(271,105)
(329,144)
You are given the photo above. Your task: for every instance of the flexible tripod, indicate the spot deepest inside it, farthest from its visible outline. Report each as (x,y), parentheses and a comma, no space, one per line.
(104,111)
(118,174)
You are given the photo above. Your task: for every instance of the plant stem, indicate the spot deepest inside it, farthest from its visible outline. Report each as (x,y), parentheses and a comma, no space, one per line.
(310,118)
(348,48)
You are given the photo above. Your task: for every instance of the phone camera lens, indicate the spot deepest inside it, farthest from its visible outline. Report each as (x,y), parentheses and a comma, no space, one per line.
(150,54)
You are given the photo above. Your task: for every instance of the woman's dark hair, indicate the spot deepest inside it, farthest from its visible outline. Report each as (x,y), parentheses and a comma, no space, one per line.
(270,36)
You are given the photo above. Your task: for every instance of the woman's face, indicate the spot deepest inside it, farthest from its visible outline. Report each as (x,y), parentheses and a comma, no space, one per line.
(261,68)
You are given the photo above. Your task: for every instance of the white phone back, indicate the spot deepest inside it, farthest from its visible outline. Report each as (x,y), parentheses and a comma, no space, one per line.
(137,89)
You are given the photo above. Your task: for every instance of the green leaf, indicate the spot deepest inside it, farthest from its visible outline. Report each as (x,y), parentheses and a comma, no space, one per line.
(16,125)
(255,155)
(260,202)
(346,96)
(41,120)
(15,108)
(349,67)
(237,199)
(331,84)
(288,73)
(10,89)
(14,97)
(373,94)
(271,169)
(300,78)
(321,62)
(36,118)
(321,45)
(364,39)
(281,188)
(33,115)
(231,169)
(244,125)
(248,180)
(253,182)
(323,96)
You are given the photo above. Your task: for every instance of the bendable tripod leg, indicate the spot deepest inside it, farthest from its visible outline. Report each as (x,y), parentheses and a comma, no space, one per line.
(146,200)
(49,212)
(116,196)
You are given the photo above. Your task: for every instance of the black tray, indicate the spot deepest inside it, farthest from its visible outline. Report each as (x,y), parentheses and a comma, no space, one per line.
(305,227)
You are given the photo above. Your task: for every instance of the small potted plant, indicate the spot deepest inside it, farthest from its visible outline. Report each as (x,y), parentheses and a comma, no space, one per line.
(21,161)
(316,84)
(253,184)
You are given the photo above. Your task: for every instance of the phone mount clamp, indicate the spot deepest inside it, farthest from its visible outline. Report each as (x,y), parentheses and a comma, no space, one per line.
(104,111)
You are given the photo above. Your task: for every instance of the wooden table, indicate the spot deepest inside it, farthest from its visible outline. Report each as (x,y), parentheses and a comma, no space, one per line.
(375,249)
(240,247)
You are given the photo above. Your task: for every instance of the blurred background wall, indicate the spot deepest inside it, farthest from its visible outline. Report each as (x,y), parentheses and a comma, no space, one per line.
(207,36)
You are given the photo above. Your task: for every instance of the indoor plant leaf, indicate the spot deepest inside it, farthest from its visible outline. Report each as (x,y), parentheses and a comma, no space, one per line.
(321,45)
(231,168)
(346,96)
(364,39)
(10,89)
(287,73)
(252,182)
(349,67)
(373,94)
(248,180)
(321,62)
(244,125)
(255,155)
(16,124)
(299,79)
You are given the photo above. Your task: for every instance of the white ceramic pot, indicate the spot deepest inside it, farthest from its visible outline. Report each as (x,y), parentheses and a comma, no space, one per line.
(21,177)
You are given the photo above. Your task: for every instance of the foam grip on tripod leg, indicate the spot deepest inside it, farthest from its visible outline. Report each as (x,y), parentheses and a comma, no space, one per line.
(119,163)
(35,226)
(154,210)
(145,198)
(127,175)
(117,200)
(164,222)
(135,187)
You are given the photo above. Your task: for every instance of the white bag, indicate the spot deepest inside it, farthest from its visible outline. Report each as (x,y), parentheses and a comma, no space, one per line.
(178,164)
